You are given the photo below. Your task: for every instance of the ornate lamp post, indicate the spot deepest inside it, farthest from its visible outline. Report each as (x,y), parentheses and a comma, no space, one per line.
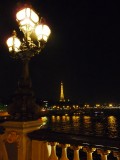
(24,107)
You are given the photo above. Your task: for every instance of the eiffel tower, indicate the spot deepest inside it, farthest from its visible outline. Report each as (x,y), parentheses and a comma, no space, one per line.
(62,99)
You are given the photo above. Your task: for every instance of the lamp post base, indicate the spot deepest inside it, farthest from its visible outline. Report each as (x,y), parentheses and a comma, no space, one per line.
(23,107)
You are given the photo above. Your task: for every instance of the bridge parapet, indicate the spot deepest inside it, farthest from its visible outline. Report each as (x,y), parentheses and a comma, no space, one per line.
(54,146)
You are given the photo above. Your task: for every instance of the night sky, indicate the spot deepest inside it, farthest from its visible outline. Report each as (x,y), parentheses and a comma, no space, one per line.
(83,51)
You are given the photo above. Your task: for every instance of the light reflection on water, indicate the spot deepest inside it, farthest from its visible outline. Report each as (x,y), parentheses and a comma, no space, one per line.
(112,126)
(86,125)
(99,129)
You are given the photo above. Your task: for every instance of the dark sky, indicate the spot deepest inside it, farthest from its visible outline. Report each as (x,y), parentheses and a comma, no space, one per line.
(83,51)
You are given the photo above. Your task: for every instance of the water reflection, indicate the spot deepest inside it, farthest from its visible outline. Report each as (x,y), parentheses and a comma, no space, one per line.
(75,123)
(65,118)
(86,125)
(112,127)
(99,129)
(58,118)
(75,118)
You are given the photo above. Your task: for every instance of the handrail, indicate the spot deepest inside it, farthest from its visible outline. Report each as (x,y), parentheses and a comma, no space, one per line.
(64,138)
(51,145)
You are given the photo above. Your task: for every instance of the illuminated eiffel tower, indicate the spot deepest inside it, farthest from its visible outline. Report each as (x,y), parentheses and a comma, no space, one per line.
(62,93)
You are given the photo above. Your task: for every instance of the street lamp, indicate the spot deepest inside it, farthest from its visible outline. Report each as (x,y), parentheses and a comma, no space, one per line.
(23,107)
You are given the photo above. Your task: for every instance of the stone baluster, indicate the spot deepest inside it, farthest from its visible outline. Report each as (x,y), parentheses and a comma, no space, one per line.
(53,155)
(103,153)
(89,151)
(116,154)
(76,152)
(47,150)
(36,154)
(40,150)
(64,151)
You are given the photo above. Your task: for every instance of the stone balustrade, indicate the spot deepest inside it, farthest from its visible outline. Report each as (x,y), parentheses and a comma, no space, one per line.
(57,151)
(44,144)
(57,146)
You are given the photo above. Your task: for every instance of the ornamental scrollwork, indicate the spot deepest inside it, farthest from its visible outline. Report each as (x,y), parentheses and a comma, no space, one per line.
(12,137)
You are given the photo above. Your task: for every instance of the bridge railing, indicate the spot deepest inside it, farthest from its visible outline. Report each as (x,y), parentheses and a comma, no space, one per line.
(48,145)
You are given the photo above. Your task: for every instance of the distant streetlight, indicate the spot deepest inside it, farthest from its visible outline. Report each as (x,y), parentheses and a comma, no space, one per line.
(35,36)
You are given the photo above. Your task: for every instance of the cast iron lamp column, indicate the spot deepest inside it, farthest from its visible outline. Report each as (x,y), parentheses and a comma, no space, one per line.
(23,107)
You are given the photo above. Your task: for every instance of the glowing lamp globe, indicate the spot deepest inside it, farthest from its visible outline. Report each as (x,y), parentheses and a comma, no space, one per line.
(42,32)
(27,19)
(13,44)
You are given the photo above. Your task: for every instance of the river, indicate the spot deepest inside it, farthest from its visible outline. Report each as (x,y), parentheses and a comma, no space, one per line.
(103,126)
